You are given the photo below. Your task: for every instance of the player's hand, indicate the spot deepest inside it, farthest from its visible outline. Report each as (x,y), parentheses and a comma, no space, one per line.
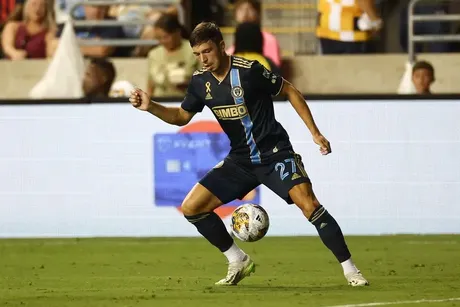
(324,145)
(139,99)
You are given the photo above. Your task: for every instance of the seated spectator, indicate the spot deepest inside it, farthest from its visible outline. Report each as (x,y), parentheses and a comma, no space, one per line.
(145,32)
(172,62)
(249,44)
(99,76)
(423,77)
(250,11)
(130,12)
(33,36)
(65,9)
(135,12)
(12,11)
(93,12)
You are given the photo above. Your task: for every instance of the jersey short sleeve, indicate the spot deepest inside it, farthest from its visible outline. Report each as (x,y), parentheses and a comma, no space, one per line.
(192,103)
(265,80)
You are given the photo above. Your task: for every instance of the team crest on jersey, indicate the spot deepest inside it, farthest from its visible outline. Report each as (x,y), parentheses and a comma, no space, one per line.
(237,92)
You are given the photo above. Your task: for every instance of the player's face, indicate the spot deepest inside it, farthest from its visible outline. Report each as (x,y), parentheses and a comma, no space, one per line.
(422,80)
(209,54)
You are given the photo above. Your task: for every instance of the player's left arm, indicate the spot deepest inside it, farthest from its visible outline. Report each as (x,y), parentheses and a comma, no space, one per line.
(273,84)
(298,102)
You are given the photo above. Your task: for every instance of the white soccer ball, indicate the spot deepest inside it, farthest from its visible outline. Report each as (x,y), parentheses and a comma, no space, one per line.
(249,222)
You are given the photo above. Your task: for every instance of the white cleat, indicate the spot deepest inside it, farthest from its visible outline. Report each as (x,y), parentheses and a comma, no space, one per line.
(237,271)
(356,279)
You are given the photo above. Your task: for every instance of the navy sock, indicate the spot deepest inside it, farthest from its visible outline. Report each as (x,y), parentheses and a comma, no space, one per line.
(210,226)
(330,233)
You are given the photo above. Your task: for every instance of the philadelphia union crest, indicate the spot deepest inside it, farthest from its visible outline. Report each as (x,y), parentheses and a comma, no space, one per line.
(237,92)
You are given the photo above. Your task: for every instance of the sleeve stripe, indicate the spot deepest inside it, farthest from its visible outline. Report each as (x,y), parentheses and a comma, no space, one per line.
(281,87)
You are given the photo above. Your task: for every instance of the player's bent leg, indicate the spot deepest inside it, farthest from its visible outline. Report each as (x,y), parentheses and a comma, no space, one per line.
(328,229)
(304,198)
(199,200)
(198,208)
(220,185)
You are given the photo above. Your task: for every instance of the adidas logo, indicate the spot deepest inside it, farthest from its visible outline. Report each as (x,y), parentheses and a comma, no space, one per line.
(295,176)
(322,225)
(208,96)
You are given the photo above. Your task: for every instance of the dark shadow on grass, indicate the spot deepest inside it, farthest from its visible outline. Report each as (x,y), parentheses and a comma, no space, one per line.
(277,288)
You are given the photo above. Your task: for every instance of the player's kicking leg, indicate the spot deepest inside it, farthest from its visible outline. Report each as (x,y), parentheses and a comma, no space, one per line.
(328,230)
(227,182)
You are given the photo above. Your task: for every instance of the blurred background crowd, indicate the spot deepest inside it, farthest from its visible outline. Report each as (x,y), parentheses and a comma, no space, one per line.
(156,32)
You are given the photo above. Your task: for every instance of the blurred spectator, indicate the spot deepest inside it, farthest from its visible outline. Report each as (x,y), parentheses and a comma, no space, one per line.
(145,32)
(94,13)
(250,11)
(172,62)
(33,36)
(99,76)
(249,45)
(423,77)
(346,27)
(10,11)
(134,12)
(65,8)
(131,12)
(426,27)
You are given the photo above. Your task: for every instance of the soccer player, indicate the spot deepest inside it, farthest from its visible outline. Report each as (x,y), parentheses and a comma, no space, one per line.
(239,92)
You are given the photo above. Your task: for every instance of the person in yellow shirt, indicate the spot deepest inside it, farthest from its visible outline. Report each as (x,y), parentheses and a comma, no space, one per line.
(346,26)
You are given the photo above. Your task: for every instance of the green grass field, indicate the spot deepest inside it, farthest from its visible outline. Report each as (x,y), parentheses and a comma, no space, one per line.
(181,272)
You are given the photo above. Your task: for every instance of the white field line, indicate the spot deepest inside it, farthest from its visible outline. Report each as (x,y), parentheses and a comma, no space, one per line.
(400,302)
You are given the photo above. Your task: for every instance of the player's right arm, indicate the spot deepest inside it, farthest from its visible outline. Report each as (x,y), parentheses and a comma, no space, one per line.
(171,115)
(178,116)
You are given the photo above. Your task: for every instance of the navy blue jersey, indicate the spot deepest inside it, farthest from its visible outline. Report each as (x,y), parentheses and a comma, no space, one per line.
(243,105)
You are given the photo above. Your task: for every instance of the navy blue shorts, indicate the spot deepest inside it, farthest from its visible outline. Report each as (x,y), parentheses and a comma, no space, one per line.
(231,179)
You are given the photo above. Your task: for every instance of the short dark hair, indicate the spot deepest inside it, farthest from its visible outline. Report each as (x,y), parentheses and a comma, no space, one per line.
(248,38)
(107,67)
(423,65)
(204,32)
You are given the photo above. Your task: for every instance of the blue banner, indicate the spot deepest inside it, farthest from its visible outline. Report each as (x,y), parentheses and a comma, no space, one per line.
(182,159)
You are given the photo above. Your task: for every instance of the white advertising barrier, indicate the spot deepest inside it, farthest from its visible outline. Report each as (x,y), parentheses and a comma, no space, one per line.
(88,170)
